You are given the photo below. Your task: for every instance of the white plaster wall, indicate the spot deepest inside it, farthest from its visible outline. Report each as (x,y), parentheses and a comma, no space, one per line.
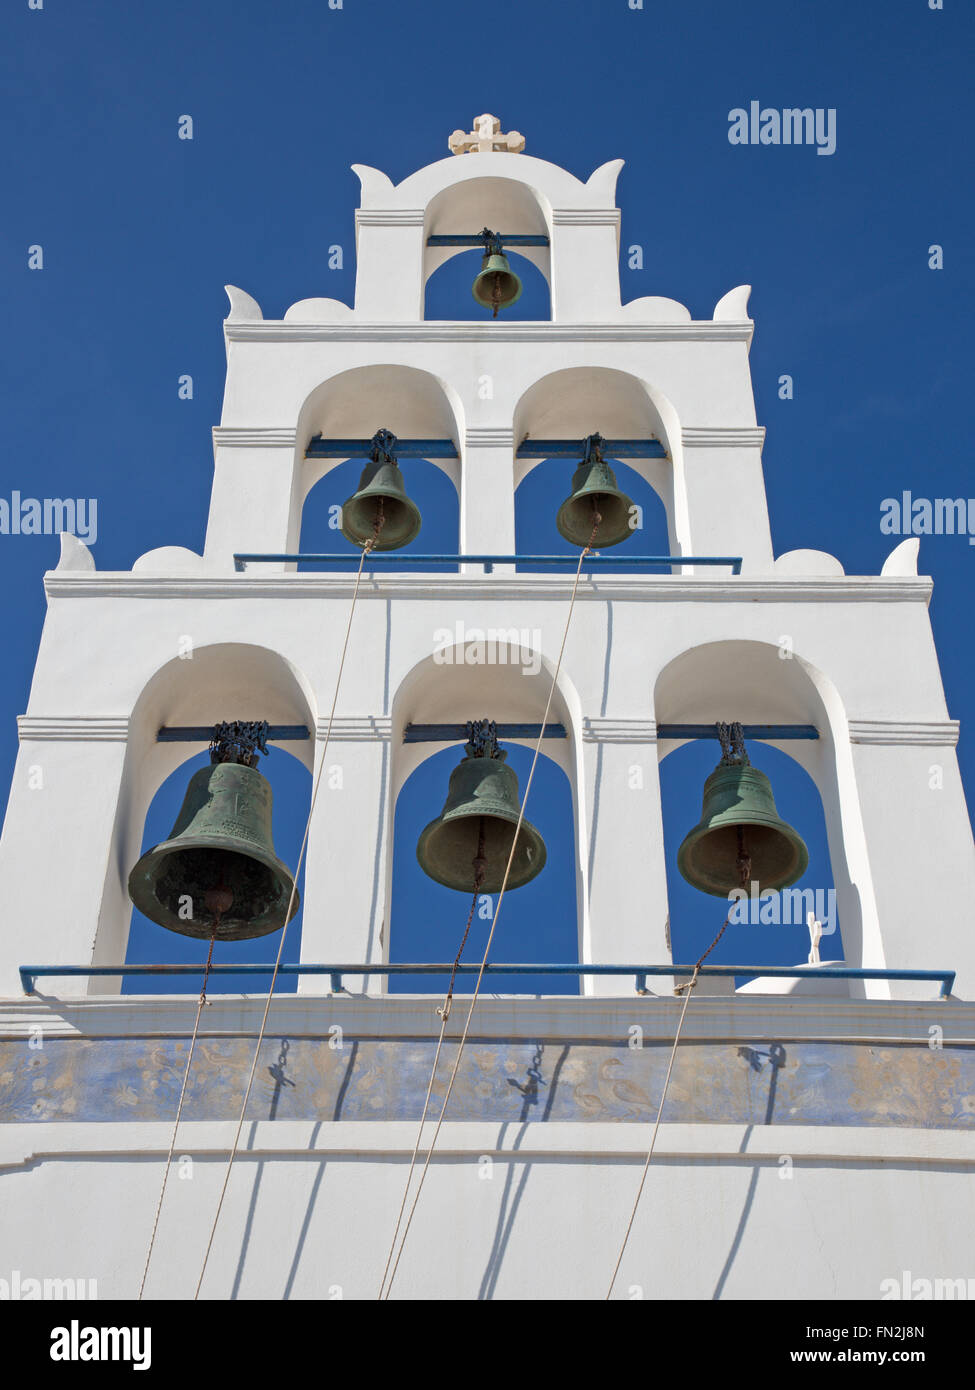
(310,1212)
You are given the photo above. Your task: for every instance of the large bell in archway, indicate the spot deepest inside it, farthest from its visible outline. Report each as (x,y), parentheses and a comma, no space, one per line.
(739,819)
(496,286)
(595,498)
(482,795)
(381,497)
(217,873)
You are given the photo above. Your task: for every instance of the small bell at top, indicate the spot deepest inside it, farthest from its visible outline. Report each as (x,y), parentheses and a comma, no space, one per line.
(380,510)
(741,838)
(478,823)
(496,286)
(595,501)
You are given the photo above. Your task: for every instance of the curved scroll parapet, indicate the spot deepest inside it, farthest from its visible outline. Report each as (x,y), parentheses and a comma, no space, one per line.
(75,555)
(601,183)
(375,185)
(317,311)
(902,560)
(656,309)
(242,305)
(733,307)
(808,563)
(169,559)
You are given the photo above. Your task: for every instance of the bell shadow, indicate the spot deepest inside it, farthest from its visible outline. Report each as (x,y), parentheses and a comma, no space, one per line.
(506,1217)
(755,1059)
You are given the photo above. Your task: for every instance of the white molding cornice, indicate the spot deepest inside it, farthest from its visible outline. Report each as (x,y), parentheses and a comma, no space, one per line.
(598,729)
(254,436)
(73,728)
(592,1142)
(390,217)
(746,1018)
(367,728)
(663,588)
(285,437)
(476,331)
(723,436)
(490,437)
(585,217)
(923,732)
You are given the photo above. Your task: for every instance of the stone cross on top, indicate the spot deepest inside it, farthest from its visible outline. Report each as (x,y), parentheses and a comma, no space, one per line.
(486,137)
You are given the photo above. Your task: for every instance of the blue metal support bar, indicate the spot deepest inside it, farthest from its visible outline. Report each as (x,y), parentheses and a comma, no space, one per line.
(203,733)
(319,448)
(395,558)
(773,732)
(457,733)
(513,240)
(574,449)
(30,973)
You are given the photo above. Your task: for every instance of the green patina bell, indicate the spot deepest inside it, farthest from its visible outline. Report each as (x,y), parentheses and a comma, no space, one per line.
(739,818)
(594,490)
(381,495)
(217,873)
(497,286)
(483,795)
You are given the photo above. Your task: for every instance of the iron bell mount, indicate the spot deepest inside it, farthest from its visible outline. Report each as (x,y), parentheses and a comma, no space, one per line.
(475,830)
(380,514)
(596,511)
(217,875)
(741,838)
(496,286)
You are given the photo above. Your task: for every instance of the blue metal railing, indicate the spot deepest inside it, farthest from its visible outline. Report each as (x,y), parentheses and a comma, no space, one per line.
(395,559)
(30,973)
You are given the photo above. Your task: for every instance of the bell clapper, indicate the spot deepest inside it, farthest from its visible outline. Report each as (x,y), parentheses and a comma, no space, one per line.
(743,860)
(479,862)
(380,521)
(479,865)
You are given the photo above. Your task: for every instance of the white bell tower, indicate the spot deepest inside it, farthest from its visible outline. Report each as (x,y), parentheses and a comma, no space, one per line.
(645,652)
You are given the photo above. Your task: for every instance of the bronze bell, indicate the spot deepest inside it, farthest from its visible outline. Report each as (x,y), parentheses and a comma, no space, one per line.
(380,510)
(217,873)
(740,838)
(496,286)
(595,497)
(482,797)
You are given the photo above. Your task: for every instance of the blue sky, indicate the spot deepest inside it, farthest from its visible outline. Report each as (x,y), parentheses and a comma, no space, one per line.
(141,231)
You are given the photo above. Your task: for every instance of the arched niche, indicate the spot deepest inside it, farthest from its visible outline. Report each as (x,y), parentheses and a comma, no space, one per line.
(490,675)
(290,782)
(414,404)
(427,485)
(449,290)
(220,681)
(771,929)
(507,206)
(537,922)
(579,401)
(541,493)
(751,682)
